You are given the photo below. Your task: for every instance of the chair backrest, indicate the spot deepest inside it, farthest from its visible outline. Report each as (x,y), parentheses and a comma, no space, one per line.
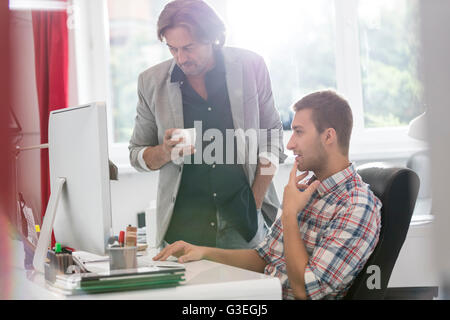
(397,189)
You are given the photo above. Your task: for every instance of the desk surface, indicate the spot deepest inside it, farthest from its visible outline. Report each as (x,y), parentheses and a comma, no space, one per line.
(208,280)
(205,280)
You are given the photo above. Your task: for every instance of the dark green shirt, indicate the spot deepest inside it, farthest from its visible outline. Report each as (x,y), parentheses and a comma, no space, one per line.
(208,188)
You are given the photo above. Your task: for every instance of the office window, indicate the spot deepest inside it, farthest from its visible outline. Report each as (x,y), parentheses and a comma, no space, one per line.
(296,38)
(389,48)
(367,50)
(133,48)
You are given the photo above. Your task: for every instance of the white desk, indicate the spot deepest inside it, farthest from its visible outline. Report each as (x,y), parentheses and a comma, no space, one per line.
(205,280)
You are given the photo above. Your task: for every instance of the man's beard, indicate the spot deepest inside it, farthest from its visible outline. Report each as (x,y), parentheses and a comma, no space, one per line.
(316,164)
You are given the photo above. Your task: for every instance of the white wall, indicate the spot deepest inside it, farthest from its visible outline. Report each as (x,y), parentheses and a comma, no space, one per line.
(415,266)
(436,50)
(130,195)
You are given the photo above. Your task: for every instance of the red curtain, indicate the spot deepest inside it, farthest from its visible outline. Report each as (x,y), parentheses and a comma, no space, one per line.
(51,61)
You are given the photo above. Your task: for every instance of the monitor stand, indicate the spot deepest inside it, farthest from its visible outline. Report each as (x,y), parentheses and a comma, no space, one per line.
(47,226)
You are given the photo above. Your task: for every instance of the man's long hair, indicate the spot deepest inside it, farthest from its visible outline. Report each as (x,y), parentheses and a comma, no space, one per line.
(200,19)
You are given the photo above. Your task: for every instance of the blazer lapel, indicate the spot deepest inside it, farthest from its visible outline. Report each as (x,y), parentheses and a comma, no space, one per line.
(234,79)
(175,100)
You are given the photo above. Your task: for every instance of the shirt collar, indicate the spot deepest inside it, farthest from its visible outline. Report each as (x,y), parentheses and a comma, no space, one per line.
(178,74)
(335,180)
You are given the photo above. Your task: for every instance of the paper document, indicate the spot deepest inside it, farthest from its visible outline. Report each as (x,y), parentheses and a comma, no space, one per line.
(147,261)
(92,262)
(96,263)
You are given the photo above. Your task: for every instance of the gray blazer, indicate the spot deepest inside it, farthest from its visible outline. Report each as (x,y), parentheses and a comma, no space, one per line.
(160,108)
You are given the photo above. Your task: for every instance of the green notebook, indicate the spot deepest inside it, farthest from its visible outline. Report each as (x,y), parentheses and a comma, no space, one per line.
(125,284)
(134,279)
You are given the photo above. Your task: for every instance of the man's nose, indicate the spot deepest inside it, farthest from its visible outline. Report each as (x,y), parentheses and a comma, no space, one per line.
(291,144)
(181,57)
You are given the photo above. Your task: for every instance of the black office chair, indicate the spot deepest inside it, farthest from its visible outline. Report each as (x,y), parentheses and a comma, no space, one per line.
(397,189)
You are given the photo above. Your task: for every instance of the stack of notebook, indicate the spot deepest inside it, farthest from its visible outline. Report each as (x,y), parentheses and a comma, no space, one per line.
(118,280)
(97,278)
(131,279)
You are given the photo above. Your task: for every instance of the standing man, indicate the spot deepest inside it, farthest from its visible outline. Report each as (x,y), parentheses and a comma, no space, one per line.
(214,89)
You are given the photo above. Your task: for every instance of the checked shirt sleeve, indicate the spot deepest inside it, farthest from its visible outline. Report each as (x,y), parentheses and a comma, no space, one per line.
(272,246)
(343,249)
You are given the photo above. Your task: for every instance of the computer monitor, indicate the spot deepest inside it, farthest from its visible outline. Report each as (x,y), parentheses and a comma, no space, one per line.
(80,201)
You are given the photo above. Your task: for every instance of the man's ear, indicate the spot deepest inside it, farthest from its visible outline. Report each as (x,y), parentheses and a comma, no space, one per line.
(329,136)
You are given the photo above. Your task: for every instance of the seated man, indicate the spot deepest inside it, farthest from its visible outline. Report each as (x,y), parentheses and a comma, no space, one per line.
(329,225)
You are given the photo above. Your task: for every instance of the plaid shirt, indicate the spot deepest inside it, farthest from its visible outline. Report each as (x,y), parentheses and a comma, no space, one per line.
(340,226)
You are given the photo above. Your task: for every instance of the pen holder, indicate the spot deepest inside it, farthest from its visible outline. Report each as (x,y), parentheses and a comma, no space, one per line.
(122,258)
(57,264)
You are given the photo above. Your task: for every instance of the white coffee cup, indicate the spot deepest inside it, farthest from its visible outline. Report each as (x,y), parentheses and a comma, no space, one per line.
(189,136)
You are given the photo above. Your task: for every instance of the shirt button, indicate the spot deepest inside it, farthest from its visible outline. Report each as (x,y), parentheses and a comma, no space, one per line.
(213,166)
(214,194)
(212,224)
(209,108)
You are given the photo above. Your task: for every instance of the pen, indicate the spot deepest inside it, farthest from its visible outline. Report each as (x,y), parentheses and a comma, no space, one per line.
(59,257)
(80,264)
(98,260)
(163,266)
